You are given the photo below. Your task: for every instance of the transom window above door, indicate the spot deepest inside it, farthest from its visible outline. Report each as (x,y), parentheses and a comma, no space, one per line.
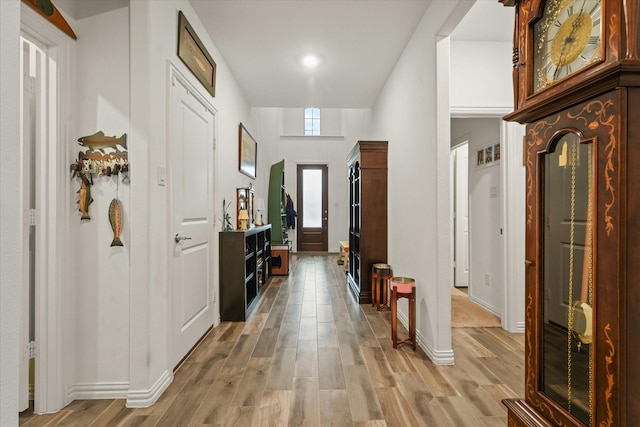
(311,121)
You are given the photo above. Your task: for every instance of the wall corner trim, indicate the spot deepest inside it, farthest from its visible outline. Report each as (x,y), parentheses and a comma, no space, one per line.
(439,357)
(146,398)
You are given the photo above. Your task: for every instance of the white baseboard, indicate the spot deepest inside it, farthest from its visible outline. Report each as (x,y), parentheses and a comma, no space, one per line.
(486,306)
(120,390)
(87,391)
(438,357)
(146,398)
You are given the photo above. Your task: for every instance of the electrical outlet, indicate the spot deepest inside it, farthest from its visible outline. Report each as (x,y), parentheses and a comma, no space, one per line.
(487,279)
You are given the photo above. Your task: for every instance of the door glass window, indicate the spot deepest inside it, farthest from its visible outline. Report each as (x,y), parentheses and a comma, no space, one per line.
(312,200)
(569,212)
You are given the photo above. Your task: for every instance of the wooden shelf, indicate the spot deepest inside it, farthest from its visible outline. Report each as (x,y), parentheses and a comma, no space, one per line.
(245,268)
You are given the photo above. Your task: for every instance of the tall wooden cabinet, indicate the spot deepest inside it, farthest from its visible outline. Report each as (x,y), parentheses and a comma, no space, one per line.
(367,163)
(577,88)
(245,268)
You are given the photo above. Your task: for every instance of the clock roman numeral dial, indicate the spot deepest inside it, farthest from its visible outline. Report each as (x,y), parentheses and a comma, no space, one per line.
(568,38)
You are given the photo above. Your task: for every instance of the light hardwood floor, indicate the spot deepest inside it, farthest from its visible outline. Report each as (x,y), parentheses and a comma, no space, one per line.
(310,356)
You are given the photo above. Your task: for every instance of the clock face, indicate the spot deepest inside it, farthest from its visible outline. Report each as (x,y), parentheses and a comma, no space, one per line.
(567,38)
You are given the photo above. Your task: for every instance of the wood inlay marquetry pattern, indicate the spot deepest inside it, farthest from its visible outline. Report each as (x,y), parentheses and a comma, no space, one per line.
(608,390)
(310,355)
(613,36)
(537,134)
(595,114)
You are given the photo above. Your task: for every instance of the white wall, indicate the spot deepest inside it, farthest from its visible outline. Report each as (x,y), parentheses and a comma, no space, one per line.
(10,279)
(100,282)
(481,77)
(331,150)
(485,213)
(405,115)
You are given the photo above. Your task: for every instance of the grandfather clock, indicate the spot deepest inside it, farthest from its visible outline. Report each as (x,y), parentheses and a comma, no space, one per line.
(577,88)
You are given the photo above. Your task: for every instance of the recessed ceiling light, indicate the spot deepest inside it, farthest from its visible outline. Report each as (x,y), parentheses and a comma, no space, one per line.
(310,60)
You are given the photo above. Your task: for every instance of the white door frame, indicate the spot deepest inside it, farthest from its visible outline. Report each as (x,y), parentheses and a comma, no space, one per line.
(53,200)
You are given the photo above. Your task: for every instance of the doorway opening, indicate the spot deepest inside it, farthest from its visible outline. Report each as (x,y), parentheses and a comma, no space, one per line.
(313,214)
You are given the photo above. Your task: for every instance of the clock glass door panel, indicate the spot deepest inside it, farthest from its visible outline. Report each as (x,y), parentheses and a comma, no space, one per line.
(567,368)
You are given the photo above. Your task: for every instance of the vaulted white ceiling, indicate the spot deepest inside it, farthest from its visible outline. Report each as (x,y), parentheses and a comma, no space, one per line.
(359,42)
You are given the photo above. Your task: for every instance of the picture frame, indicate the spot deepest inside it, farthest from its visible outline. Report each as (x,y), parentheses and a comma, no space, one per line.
(496,152)
(195,56)
(247,152)
(488,155)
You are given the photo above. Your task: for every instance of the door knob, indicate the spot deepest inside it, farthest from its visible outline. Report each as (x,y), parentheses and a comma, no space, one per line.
(178,237)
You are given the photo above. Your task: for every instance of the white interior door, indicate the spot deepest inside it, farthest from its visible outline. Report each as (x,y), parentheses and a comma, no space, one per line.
(192,160)
(462,215)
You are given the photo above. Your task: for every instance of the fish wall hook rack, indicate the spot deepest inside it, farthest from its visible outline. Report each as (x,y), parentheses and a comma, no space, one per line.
(105,156)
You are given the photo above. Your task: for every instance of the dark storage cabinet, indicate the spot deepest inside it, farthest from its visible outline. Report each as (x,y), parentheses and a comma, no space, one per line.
(367,165)
(245,267)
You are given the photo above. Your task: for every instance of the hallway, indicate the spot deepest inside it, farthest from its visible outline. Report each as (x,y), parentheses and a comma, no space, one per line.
(310,356)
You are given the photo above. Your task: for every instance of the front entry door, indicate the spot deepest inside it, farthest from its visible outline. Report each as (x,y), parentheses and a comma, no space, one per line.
(192,137)
(313,214)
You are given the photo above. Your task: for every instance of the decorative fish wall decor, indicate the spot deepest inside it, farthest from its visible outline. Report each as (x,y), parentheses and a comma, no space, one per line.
(51,13)
(98,141)
(115,219)
(84,200)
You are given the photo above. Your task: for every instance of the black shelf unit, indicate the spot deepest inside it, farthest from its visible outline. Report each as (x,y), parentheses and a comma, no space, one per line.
(245,268)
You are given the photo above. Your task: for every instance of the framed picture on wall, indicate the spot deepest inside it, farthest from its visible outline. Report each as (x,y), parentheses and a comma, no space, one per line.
(488,154)
(247,152)
(194,55)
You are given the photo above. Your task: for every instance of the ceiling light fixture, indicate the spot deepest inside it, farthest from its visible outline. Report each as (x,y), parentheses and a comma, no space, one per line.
(310,60)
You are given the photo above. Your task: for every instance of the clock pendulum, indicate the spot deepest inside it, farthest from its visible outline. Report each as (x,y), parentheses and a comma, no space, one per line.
(582,330)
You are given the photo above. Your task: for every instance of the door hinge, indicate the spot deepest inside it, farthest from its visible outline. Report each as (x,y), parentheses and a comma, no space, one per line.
(31,84)
(215,296)
(30,350)
(31,217)
(214,143)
